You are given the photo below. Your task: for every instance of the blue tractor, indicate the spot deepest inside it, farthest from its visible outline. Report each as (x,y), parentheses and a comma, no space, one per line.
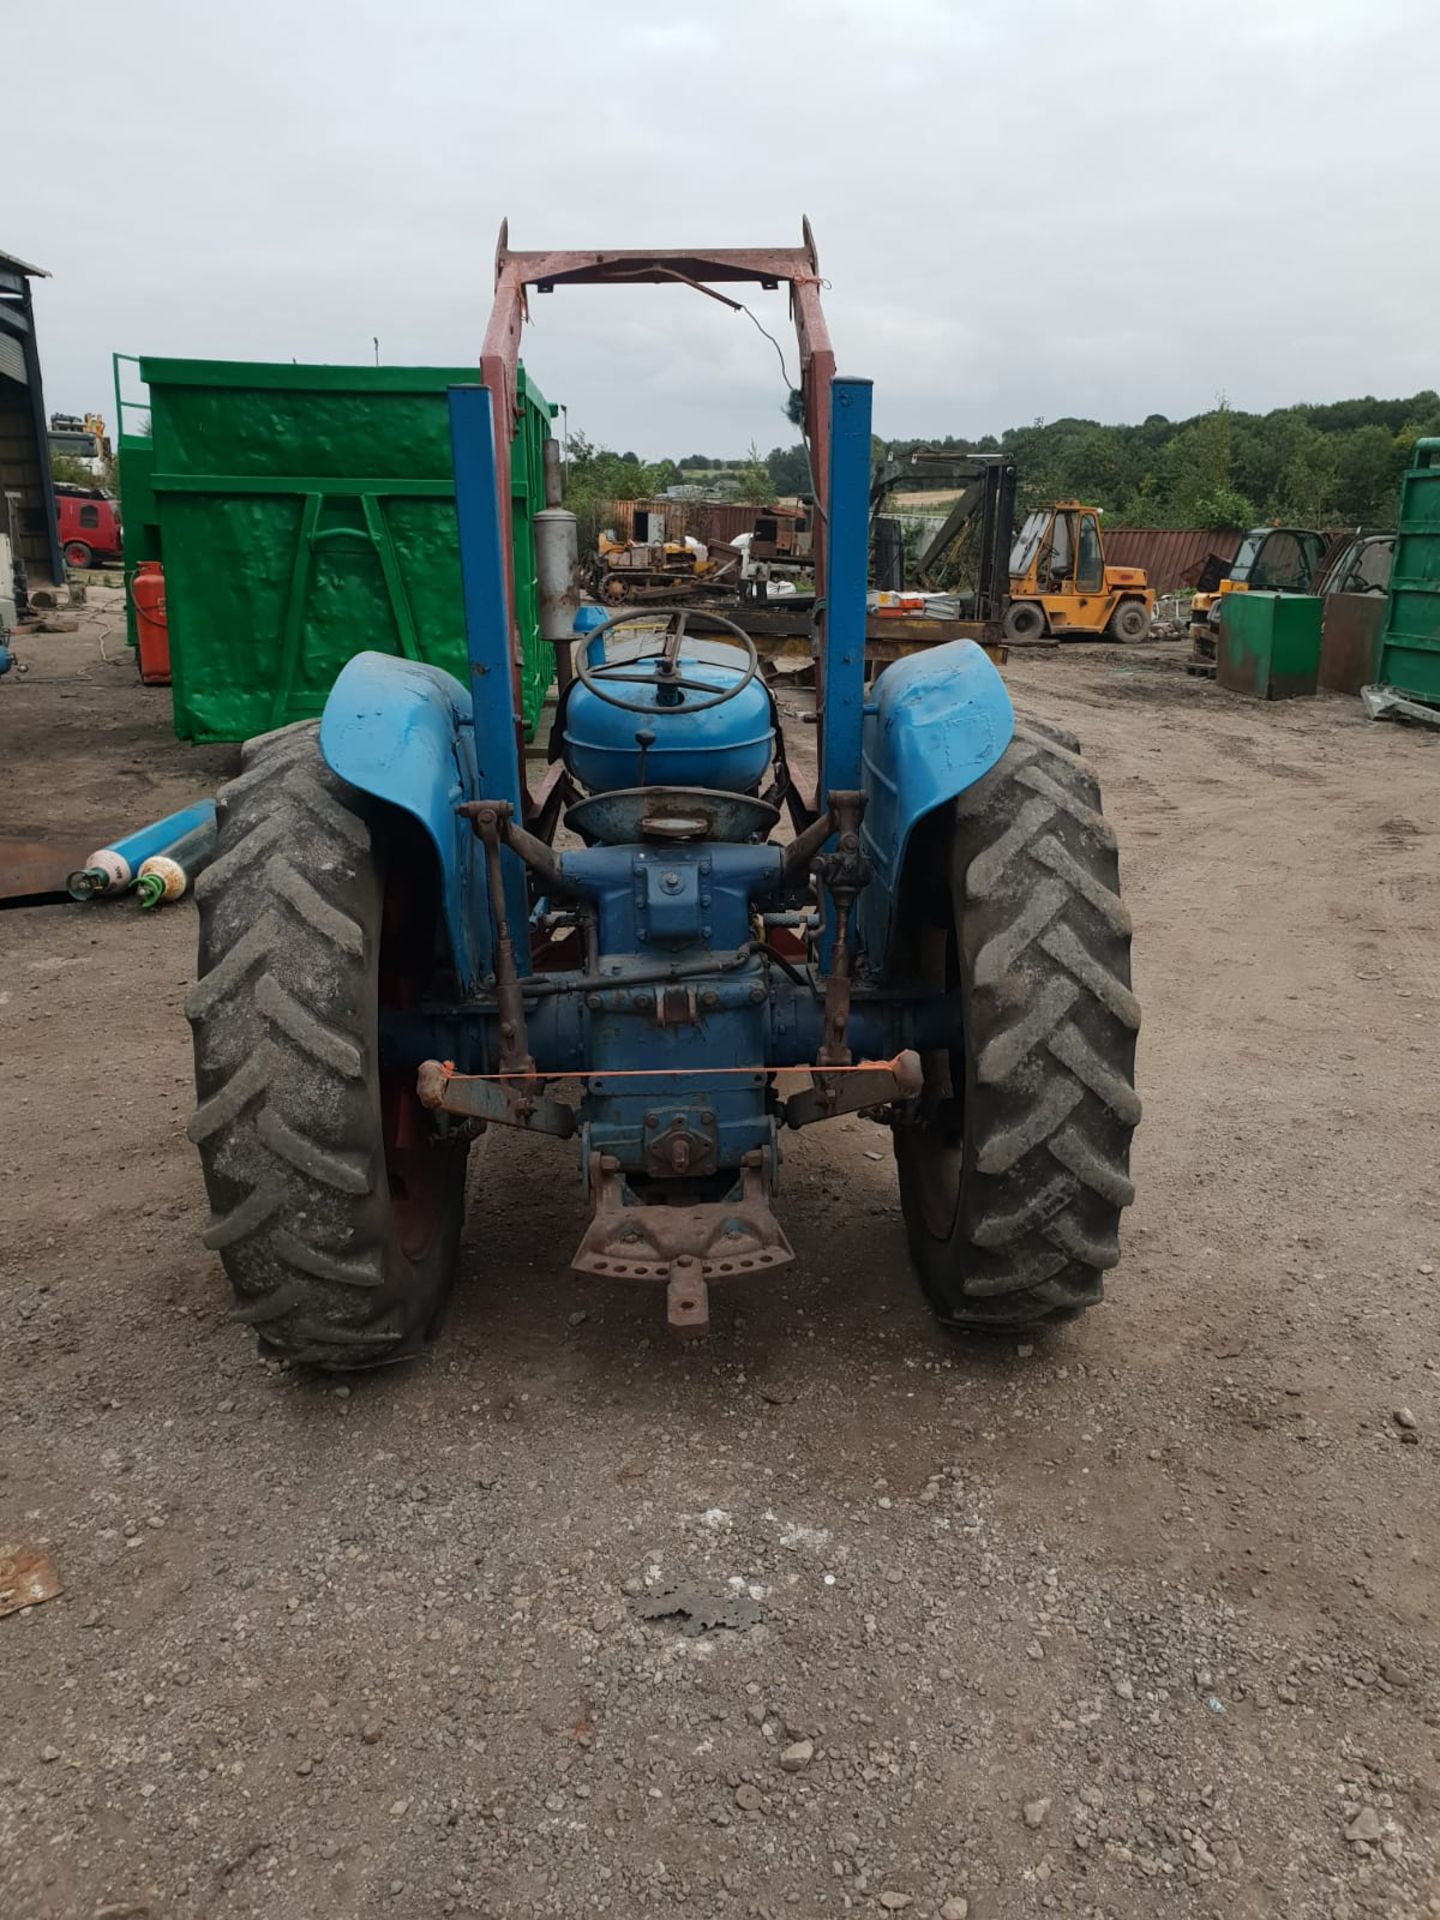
(400,947)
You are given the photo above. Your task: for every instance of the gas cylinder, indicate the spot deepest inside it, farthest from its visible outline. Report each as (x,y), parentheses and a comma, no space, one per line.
(168,875)
(111,869)
(152,631)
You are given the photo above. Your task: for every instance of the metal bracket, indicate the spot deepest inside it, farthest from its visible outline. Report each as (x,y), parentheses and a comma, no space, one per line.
(687,1298)
(677,1150)
(875,1085)
(490,819)
(677,1007)
(508,1103)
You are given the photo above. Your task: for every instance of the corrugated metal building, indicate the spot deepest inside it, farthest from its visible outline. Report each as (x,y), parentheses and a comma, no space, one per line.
(25,487)
(1172,556)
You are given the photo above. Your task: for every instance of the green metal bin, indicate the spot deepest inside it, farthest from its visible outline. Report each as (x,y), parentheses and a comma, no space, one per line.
(1269,644)
(307,514)
(1410,649)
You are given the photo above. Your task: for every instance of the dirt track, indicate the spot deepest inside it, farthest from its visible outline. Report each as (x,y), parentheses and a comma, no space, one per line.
(1137,1617)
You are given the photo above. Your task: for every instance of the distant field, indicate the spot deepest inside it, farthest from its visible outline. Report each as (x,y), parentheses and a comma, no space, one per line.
(922,502)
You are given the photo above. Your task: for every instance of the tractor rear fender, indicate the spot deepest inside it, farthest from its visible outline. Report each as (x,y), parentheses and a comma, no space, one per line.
(934,724)
(403,731)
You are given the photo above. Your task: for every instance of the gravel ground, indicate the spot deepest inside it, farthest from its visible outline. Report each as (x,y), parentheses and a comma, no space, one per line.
(1135,1617)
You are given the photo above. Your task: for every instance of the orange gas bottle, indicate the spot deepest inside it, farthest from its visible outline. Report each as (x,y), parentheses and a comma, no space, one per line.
(152,632)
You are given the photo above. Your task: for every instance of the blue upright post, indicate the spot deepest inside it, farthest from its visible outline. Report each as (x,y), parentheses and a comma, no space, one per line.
(487,629)
(847,574)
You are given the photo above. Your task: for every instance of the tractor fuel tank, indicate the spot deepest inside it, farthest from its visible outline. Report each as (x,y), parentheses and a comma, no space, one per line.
(725,748)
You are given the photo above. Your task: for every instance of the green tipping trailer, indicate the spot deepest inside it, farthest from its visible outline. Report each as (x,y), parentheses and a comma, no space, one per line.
(306,514)
(1410,644)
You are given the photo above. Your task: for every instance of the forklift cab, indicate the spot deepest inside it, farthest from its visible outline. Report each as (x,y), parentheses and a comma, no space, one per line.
(1277,560)
(1058,550)
(1056,553)
(1268,560)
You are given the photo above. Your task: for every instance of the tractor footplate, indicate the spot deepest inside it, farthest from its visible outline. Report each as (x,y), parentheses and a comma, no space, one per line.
(684,1247)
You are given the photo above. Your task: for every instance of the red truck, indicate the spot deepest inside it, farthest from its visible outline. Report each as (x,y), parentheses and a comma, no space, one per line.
(89,522)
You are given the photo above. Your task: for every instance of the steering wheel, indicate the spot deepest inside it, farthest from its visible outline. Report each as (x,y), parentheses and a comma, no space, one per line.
(662,672)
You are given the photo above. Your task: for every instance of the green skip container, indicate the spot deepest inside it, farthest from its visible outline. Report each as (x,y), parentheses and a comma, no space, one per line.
(1410,649)
(307,514)
(1269,644)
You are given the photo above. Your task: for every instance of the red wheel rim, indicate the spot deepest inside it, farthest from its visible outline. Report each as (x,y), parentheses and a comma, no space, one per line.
(418,1170)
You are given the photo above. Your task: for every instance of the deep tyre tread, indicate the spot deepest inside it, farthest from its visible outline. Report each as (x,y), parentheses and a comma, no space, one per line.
(1013,1218)
(1029,727)
(288,1114)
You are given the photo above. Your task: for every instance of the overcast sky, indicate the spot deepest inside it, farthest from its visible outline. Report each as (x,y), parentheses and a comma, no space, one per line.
(1107,207)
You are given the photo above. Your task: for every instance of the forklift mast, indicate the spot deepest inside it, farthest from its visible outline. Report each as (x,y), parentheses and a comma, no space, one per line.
(987,481)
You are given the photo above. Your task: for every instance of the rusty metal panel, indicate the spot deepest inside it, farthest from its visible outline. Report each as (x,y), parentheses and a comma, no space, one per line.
(619,515)
(1350,641)
(716,521)
(625,265)
(27,1577)
(1171,556)
(33,867)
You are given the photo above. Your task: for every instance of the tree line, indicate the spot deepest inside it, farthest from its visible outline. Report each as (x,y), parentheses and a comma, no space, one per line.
(1317,466)
(1314,466)
(594,476)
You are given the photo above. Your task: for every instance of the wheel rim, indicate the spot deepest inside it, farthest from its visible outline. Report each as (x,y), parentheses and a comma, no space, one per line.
(935,1159)
(417,1177)
(419,1169)
(1134,621)
(1025,622)
(933,1151)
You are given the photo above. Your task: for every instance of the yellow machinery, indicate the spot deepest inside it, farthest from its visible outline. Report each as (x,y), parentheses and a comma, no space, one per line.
(626,571)
(1269,560)
(1060,584)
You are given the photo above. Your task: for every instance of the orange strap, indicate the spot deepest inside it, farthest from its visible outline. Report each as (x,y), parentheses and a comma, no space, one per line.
(671,1073)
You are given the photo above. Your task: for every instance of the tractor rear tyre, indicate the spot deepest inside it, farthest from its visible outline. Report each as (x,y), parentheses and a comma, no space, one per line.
(1130,621)
(1024,620)
(336,1217)
(1014,1175)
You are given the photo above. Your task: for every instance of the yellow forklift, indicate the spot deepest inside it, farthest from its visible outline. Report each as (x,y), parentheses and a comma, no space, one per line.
(1060,583)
